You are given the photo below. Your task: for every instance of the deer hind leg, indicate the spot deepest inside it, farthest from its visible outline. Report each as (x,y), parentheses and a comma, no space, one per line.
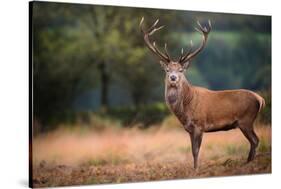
(196,139)
(250,134)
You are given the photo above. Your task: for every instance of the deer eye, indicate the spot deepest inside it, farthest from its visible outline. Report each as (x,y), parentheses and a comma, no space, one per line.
(167,70)
(180,70)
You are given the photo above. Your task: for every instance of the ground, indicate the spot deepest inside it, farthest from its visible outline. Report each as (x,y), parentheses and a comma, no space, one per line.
(134,155)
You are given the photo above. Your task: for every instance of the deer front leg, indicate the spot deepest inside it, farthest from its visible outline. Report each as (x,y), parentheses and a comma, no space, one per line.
(196,139)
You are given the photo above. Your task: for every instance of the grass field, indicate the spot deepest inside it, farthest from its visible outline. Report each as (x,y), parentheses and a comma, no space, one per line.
(72,157)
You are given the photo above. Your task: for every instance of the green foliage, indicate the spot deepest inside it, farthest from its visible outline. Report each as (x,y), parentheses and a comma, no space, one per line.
(96,121)
(143,116)
(232,60)
(265,114)
(130,116)
(196,78)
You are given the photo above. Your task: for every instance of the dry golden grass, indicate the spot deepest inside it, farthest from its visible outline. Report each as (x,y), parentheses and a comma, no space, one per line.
(68,157)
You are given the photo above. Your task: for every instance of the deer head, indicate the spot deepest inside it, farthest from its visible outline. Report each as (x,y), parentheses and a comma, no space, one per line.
(174,68)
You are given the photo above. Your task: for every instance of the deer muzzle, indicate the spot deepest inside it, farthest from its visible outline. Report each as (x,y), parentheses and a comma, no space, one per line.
(173,78)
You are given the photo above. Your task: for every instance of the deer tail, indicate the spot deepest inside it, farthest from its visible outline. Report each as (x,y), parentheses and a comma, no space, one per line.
(261,101)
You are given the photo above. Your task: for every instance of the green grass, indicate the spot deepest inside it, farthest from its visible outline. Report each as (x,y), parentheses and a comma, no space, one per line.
(232,149)
(92,180)
(264,146)
(214,157)
(210,146)
(184,149)
(109,159)
(96,162)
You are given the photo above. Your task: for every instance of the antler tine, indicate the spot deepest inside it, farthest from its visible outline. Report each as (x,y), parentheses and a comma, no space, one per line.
(182,57)
(158,51)
(152,29)
(154,25)
(198,23)
(200,31)
(141,25)
(210,25)
(166,51)
(204,31)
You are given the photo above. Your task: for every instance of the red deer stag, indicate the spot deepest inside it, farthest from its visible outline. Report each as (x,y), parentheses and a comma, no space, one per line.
(199,109)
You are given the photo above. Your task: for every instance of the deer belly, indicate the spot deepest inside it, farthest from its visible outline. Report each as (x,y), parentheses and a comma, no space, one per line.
(221,126)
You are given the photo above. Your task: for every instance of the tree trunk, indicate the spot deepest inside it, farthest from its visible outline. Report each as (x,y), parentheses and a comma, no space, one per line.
(137,98)
(104,78)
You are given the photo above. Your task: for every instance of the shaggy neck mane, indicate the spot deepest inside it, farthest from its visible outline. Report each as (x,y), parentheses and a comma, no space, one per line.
(179,98)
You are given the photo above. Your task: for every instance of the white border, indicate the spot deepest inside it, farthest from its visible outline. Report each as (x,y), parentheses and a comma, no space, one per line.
(14,90)
(237,6)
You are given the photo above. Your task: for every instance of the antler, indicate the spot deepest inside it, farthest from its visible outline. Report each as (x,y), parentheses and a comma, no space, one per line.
(189,55)
(163,56)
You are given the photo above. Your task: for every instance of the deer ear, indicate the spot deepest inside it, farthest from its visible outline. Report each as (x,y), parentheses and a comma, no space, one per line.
(186,65)
(163,64)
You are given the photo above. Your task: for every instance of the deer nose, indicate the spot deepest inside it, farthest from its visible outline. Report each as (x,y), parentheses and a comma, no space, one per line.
(173,77)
